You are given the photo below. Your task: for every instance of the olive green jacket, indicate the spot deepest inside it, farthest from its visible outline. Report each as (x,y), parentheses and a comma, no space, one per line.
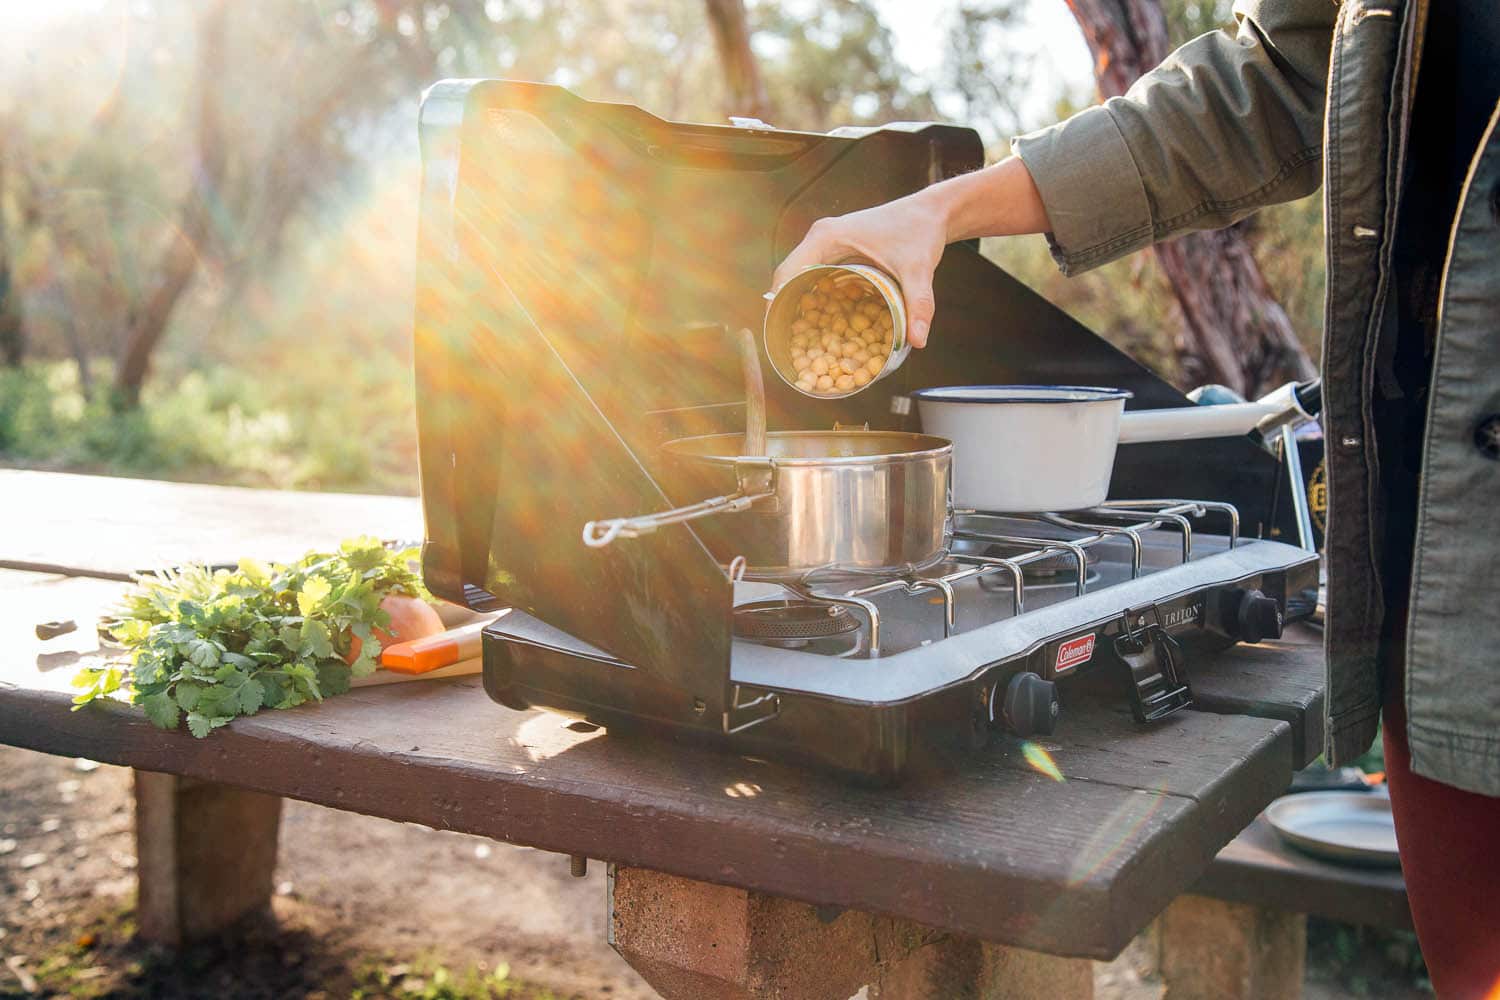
(1309,91)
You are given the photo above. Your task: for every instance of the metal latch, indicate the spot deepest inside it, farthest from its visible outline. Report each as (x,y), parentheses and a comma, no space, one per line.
(1158,682)
(768,704)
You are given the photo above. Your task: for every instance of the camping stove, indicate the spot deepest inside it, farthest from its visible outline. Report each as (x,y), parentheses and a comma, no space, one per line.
(864,672)
(577,265)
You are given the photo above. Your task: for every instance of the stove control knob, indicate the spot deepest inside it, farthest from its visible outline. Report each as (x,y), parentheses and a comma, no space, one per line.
(1258,617)
(1030,707)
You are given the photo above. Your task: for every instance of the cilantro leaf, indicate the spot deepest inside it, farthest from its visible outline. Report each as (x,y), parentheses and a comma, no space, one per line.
(216,700)
(240,660)
(188,694)
(87,677)
(201,653)
(333,677)
(130,631)
(314,592)
(249,697)
(230,675)
(255,572)
(315,640)
(365,664)
(162,711)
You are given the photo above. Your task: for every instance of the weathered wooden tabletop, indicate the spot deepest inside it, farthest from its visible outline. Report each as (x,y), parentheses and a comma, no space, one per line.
(998,850)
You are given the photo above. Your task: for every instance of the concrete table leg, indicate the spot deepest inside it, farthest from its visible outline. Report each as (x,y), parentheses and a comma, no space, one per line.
(708,942)
(1231,951)
(205,854)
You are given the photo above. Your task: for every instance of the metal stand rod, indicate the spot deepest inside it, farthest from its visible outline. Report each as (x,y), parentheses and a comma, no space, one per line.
(1292,459)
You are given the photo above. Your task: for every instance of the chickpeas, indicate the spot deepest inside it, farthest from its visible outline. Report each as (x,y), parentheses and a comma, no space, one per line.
(841,337)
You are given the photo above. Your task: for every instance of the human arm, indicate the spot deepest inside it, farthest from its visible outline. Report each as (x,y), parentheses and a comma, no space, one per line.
(1225,125)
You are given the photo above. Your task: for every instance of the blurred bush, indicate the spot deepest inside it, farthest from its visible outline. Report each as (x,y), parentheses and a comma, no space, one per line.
(220,425)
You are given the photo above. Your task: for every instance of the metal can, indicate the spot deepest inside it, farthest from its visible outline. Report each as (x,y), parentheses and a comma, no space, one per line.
(784,311)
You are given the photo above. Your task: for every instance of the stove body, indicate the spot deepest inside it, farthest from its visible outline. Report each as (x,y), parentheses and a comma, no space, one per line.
(577,264)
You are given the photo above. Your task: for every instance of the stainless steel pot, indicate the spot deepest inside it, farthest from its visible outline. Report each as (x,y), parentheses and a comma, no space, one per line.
(873,501)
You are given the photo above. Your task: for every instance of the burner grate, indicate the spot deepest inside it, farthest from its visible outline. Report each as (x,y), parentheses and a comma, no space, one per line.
(1123,521)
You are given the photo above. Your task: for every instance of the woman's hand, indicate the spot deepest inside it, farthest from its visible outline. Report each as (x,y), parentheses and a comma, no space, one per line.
(905,238)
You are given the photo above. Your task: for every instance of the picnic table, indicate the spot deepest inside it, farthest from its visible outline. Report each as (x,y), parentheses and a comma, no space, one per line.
(729,876)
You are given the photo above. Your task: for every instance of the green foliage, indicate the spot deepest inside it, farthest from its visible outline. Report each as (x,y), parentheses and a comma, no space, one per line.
(1364,960)
(224,424)
(212,645)
(429,979)
(833,63)
(1187,19)
(1373,759)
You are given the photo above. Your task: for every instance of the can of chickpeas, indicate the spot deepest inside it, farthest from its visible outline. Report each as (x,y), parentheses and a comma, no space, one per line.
(835,329)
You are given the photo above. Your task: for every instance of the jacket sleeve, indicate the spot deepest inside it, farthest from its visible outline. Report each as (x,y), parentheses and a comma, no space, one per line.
(1225,125)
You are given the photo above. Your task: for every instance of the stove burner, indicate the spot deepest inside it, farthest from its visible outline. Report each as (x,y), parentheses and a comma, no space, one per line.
(832,575)
(1057,570)
(783,621)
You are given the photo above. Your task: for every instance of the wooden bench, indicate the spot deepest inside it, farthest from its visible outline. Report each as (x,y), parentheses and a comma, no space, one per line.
(1257,869)
(729,876)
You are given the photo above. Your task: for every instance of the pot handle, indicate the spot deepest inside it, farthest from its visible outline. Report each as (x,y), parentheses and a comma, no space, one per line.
(597,534)
(1289,404)
(757,481)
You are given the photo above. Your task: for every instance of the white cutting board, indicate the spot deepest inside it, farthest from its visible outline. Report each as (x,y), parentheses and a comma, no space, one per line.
(383,676)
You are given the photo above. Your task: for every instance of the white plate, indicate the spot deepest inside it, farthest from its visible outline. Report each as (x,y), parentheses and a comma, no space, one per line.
(1352,828)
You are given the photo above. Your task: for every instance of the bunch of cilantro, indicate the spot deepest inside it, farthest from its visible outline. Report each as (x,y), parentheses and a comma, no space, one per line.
(213,645)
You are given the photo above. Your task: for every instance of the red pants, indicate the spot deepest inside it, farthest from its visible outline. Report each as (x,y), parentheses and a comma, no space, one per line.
(1450,857)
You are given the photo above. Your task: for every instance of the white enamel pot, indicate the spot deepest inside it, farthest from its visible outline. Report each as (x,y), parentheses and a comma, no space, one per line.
(1033,448)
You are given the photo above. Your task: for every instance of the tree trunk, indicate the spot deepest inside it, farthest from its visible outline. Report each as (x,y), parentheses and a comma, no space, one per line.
(12,323)
(1234,331)
(747,90)
(179,263)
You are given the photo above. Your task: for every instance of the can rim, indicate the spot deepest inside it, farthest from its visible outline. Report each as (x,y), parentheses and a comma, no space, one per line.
(894,303)
(922,446)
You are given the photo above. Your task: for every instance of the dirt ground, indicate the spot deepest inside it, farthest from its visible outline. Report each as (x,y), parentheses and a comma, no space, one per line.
(357,897)
(367,908)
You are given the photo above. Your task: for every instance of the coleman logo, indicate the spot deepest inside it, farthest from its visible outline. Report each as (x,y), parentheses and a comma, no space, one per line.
(1074,652)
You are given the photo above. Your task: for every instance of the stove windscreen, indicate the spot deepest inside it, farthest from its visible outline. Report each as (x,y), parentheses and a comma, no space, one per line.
(579,264)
